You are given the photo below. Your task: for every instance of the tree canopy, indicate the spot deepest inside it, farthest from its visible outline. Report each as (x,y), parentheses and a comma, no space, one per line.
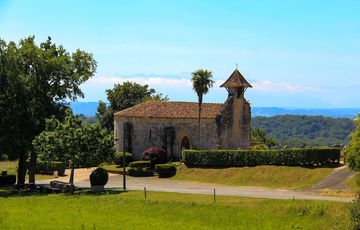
(124,96)
(298,131)
(352,150)
(88,144)
(35,83)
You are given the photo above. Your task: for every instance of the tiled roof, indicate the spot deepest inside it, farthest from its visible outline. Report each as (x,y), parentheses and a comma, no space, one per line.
(169,109)
(236,79)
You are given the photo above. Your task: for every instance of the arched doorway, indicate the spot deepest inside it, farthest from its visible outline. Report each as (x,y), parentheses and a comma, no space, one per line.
(185,143)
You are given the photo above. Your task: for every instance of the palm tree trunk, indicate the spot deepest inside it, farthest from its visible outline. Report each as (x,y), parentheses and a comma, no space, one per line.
(199,120)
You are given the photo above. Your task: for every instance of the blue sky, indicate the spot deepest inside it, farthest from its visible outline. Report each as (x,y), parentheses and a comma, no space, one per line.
(295,53)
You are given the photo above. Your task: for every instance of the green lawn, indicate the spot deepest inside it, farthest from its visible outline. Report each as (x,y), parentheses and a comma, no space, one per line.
(11,167)
(265,176)
(129,210)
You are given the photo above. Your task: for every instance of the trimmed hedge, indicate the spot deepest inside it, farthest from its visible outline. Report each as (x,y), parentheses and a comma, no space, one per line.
(118,158)
(99,177)
(237,158)
(165,170)
(7,180)
(140,164)
(139,172)
(43,167)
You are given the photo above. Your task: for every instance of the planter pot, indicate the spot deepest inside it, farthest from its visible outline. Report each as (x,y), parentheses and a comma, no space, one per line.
(98,188)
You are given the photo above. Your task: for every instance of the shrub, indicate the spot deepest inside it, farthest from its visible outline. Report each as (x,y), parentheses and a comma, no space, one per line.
(99,177)
(4,157)
(118,158)
(355,213)
(237,158)
(48,167)
(140,172)
(140,164)
(165,170)
(155,155)
(8,180)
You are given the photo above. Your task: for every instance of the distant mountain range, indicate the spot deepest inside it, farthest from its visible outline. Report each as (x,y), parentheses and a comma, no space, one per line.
(89,109)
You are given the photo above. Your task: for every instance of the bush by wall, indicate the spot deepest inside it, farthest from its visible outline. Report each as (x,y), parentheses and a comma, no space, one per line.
(165,170)
(155,155)
(44,167)
(140,172)
(140,164)
(7,180)
(118,158)
(237,158)
(99,177)
(140,169)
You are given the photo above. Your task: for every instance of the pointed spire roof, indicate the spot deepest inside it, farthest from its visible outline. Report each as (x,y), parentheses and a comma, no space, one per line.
(235,80)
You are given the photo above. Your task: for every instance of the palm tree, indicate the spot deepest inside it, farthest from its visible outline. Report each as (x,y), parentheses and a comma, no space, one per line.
(202,82)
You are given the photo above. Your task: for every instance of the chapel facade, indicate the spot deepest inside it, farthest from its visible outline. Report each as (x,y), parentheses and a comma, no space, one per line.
(174,125)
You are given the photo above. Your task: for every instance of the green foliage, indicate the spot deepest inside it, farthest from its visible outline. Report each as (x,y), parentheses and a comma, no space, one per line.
(61,141)
(238,158)
(118,158)
(259,136)
(140,164)
(355,213)
(140,169)
(49,167)
(124,96)
(99,177)
(7,179)
(165,170)
(36,81)
(299,131)
(4,157)
(352,150)
(140,172)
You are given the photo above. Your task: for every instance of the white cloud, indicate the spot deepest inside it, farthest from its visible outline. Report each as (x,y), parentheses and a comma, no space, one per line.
(269,86)
(182,82)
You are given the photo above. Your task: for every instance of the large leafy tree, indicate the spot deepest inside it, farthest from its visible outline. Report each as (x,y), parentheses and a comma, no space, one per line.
(35,82)
(352,150)
(124,96)
(83,143)
(202,82)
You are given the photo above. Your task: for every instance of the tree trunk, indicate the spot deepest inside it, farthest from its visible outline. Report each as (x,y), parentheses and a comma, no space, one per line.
(32,167)
(200,102)
(21,169)
(72,175)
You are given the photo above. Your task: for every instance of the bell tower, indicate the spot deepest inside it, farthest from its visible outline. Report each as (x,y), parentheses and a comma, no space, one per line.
(234,124)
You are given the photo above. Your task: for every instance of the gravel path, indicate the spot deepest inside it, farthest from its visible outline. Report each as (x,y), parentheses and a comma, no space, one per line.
(335,180)
(166,185)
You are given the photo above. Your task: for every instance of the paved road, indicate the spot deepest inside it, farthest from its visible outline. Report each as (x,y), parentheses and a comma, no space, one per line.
(168,185)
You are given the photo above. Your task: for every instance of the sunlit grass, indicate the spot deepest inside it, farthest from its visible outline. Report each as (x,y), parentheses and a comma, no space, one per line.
(130,210)
(264,176)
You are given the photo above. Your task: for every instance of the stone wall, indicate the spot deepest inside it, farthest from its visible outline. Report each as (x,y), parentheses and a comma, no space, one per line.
(149,132)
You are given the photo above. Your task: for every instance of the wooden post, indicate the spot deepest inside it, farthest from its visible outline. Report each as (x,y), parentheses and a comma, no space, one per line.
(214,196)
(145,192)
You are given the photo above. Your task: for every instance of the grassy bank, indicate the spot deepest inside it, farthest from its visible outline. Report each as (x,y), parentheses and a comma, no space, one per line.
(129,210)
(264,176)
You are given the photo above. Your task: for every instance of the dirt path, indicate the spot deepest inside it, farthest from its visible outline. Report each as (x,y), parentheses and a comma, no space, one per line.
(165,185)
(335,180)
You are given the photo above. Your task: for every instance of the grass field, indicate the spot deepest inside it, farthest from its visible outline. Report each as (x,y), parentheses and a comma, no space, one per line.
(265,176)
(11,167)
(129,210)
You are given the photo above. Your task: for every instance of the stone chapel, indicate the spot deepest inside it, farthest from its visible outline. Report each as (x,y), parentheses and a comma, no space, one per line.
(173,125)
